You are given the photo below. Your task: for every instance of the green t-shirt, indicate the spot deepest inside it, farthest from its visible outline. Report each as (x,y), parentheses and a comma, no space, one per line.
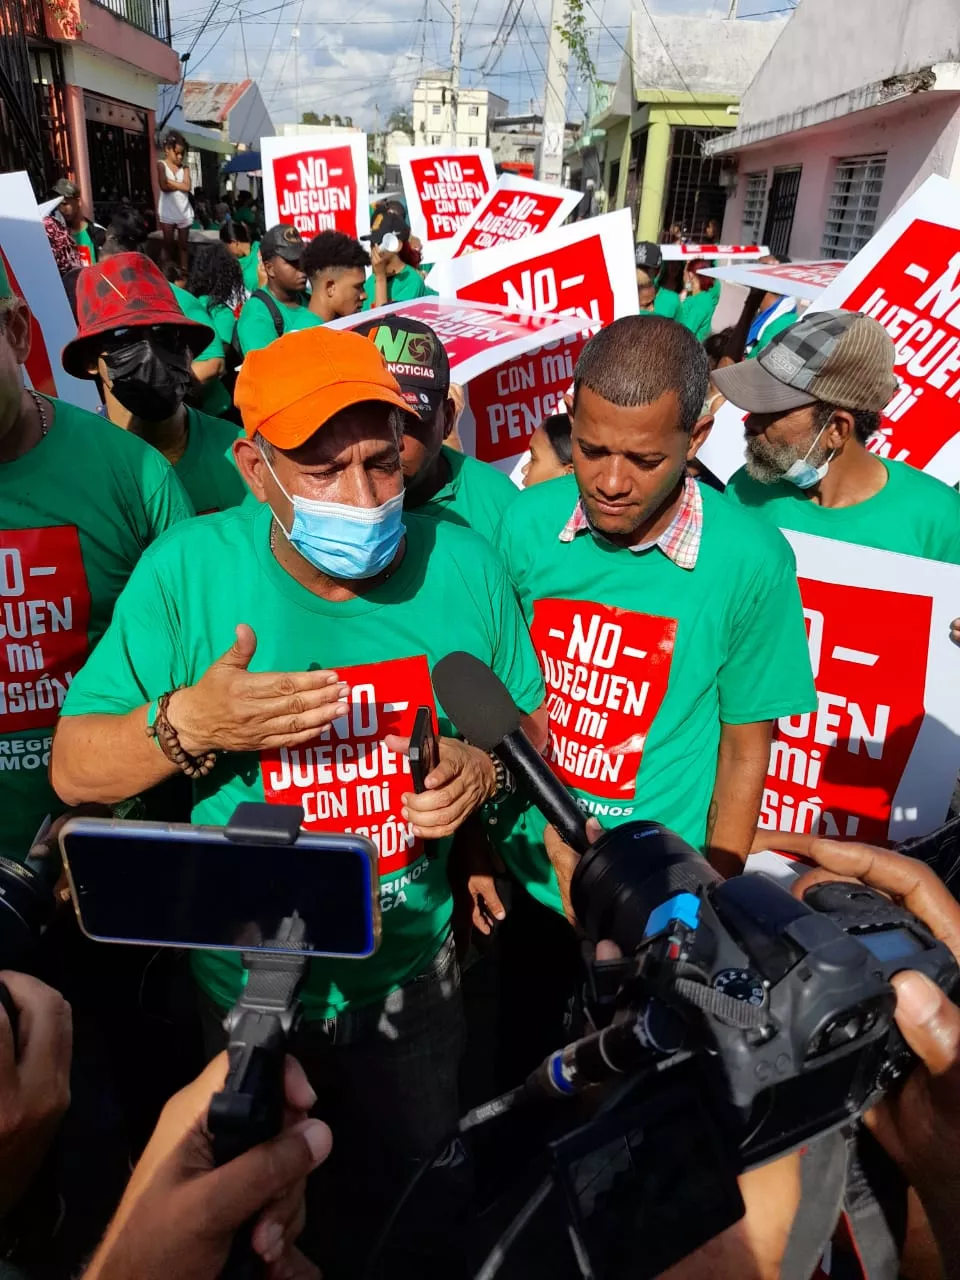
(221,317)
(178,615)
(249,266)
(256,328)
(207,470)
(644,661)
(476,495)
(247,215)
(913,513)
(216,397)
(665,303)
(76,514)
(696,310)
(403,287)
(86,244)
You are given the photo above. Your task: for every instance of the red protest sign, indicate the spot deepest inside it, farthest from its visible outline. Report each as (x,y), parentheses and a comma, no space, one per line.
(606,672)
(741,252)
(443,187)
(877,761)
(509,402)
(516,208)
(836,770)
(44,613)
(577,270)
(317,184)
(346,779)
(908,278)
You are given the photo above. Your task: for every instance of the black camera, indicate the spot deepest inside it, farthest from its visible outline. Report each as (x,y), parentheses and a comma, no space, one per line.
(740,1024)
(26,907)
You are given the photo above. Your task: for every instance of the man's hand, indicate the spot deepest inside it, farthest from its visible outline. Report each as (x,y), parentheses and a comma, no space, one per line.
(457,787)
(482,863)
(955,631)
(378,261)
(564,861)
(34,1080)
(179,1214)
(231,709)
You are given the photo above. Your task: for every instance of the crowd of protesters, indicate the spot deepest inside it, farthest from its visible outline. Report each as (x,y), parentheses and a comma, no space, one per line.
(267,516)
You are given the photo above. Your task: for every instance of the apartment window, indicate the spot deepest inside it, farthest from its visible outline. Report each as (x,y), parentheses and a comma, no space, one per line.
(753,201)
(435,139)
(474,141)
(473,111)
(435,109)
(852,206)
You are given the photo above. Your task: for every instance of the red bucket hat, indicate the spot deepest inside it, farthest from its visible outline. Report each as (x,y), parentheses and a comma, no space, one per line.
(127,291)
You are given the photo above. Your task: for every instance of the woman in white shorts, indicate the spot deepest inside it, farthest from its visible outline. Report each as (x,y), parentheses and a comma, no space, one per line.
(175,212)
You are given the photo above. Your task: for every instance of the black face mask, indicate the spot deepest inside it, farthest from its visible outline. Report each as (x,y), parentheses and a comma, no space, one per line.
(148,379)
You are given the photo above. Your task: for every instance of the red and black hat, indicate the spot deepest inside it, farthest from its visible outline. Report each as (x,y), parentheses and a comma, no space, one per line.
(126,291)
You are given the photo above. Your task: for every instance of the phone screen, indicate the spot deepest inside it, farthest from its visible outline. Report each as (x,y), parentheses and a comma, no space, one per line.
(166,884)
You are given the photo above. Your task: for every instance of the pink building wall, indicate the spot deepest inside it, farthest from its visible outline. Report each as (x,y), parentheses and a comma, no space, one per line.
(920,135)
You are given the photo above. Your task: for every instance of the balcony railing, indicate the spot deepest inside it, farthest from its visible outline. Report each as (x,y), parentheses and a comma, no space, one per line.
(152,16)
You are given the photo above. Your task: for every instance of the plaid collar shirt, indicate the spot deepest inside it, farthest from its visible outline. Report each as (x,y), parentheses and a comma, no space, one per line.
(679,542)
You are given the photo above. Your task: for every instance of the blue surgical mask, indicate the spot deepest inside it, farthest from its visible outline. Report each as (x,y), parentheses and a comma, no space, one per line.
(344,541)
(804,474)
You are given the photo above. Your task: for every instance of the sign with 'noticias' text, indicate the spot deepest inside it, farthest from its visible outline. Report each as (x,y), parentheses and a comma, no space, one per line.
(877,761)
(317,183)
(908,278)
(514,209)
(514,366)
(443,188)
(584,270)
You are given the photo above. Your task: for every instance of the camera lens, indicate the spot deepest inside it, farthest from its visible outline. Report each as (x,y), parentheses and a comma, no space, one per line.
(26,904)
(627,874)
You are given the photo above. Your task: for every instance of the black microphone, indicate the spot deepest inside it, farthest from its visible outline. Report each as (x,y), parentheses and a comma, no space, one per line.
(478,703)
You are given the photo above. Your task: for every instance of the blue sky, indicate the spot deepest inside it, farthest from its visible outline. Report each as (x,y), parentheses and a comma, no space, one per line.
(361,55)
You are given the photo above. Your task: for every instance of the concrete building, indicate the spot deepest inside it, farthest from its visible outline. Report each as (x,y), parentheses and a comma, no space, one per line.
(385,149)
(290,130)
(826,146)
(234,108)
(78,95)
(679,87)
(515,141)
(433,113)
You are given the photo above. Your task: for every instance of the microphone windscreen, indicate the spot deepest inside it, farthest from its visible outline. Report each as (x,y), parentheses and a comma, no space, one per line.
(475,699)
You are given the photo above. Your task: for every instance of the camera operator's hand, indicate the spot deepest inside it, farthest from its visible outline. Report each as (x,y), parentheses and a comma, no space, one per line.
(34,1080)
(179,1213)
(564,861)
(955,631)
(233,709)
(457,787)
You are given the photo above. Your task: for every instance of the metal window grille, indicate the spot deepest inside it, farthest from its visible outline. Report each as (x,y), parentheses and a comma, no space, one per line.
(754,198)
(853,204)
(33,131)
(473,111)
(152,16)
(473,140)
(694,194)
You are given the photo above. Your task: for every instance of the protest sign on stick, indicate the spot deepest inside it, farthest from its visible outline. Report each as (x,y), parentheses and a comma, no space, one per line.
(908,277)
(317,183)
(789,279)
(584,270)
(515,208)
(515,367)
(877,761)
(33,276)
(443,187)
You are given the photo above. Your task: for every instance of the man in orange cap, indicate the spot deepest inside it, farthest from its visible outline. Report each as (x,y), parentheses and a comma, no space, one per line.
(285,651)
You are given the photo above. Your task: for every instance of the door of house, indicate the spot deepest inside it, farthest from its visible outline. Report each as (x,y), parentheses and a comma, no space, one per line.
(780,210)
(119,148)
(33,133)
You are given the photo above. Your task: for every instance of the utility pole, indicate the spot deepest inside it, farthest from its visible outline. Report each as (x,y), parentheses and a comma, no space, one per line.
(732,11)
(456,50)
(296,76)
(550,168)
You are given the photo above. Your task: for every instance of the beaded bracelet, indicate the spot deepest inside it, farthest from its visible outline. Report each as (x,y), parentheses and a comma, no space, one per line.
(168,741)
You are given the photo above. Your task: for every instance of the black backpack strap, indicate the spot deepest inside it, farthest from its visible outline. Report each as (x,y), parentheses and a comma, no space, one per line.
(275,313)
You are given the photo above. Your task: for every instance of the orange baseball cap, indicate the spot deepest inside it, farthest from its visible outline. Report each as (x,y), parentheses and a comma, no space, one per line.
(288,390)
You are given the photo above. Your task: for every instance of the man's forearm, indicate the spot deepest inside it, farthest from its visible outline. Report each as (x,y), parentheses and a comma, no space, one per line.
(105,758)
(742,763)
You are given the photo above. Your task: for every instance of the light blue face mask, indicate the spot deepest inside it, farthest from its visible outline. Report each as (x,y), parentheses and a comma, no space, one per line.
(804,474)
(344,541)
